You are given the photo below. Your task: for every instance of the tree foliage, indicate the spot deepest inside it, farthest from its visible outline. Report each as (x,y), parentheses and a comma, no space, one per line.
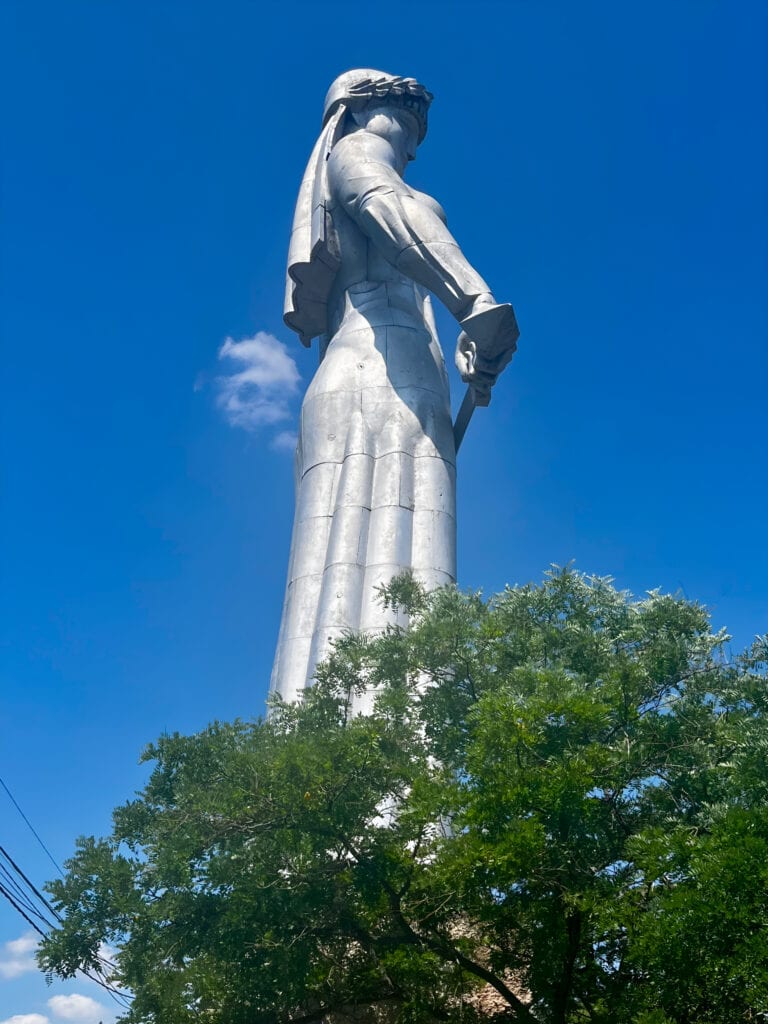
(556,813)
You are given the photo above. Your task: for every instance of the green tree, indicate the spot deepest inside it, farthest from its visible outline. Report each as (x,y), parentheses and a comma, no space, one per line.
(556,813)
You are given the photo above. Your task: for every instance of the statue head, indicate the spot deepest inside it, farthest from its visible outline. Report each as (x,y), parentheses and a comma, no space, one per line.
(313,259)
(361,87)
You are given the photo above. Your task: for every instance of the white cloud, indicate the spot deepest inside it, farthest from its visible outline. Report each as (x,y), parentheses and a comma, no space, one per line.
(26,1018)
(258,393)
(77,1008)
(285,441)
(18,957)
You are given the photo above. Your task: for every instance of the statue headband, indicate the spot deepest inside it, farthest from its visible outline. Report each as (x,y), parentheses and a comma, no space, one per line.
(356,89)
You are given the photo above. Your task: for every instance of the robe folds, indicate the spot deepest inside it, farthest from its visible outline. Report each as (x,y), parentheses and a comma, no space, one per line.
(375,476)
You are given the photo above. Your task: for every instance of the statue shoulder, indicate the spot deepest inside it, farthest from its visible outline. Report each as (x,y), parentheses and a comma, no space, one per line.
(359,156)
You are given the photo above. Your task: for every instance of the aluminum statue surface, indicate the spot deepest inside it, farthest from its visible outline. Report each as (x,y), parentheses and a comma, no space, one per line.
(376,455)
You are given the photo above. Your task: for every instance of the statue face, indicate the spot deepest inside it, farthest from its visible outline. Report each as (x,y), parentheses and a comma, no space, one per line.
(398,126)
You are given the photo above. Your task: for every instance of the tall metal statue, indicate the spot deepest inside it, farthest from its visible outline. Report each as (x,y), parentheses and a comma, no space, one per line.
(376,455)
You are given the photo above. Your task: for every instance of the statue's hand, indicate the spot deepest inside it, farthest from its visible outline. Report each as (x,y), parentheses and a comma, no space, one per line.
(474,370)
(485,346)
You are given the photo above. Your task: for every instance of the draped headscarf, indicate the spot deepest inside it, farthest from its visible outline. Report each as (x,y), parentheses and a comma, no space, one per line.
(313,255)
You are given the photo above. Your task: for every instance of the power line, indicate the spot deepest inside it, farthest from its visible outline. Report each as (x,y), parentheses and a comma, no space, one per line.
(43,899)
(31,827)
(11,881)
(13,888)
(23,895)
(31,886)
(24,904)
(14,904)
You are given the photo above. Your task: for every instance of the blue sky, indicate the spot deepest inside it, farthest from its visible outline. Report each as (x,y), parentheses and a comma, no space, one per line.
(604,167)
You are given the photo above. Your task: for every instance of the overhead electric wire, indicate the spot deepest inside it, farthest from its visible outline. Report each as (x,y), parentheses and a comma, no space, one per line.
(49,906)
(30,897)
(14,890)
(31,827)
(43,899)
(15,887)
(27,900)
(14,904)
(22,902)
(99,978)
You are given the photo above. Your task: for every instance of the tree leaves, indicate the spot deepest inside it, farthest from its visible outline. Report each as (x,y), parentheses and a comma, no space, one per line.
(559,799)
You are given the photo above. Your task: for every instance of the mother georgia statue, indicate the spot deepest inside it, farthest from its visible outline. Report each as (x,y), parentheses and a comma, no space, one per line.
(376,455)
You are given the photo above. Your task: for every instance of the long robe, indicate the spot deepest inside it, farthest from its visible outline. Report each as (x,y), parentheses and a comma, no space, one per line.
(375,476)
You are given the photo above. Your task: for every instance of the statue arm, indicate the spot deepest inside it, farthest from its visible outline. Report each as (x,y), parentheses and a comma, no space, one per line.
(404,227)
